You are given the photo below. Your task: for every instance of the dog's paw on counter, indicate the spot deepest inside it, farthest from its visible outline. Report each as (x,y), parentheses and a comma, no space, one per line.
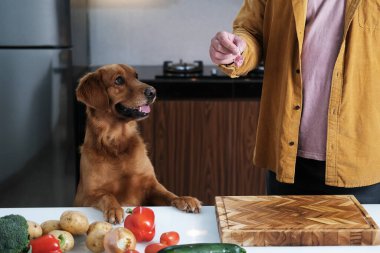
(187,204)
(114,215)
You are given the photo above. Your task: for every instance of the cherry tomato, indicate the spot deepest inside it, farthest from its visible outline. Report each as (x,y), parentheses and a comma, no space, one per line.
(169,238)
(154,247)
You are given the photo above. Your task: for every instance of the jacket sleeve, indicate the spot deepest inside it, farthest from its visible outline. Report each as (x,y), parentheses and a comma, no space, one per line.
(249,26)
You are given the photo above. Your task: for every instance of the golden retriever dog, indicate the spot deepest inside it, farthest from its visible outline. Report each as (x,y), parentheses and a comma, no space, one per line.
(115,170)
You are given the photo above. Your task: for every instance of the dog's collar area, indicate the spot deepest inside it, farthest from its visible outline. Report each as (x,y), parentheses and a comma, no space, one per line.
(135,113)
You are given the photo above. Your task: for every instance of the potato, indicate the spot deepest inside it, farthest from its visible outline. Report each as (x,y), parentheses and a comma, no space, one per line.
(68,239)
(34,230)
(50,225)
(95,235)
(74,222)
(99,225)
(94,241)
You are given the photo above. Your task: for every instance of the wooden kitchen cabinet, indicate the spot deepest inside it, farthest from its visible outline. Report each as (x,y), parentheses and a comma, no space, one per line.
(204,148)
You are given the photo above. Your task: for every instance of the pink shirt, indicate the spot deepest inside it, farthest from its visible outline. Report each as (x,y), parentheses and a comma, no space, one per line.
(323,36)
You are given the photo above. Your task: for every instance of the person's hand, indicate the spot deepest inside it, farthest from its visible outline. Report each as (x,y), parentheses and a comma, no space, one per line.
(226,48)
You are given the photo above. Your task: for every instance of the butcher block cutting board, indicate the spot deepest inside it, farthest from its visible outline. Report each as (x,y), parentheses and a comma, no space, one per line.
(295,220)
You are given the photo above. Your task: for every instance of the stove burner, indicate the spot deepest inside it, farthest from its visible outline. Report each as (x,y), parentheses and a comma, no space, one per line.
(182,68)
(197,71)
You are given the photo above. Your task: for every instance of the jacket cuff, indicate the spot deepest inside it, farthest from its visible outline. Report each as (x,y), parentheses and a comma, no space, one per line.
(231,69)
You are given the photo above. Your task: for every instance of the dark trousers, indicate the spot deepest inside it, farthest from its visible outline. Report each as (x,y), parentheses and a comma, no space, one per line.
(310,180)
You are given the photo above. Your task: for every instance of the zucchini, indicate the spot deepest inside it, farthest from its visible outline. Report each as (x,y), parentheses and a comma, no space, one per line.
(204,248)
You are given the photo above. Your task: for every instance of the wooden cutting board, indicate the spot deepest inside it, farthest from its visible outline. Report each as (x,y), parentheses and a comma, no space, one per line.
(295,220)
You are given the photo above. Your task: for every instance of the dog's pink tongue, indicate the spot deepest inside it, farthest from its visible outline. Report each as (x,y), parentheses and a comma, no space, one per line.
(144,108)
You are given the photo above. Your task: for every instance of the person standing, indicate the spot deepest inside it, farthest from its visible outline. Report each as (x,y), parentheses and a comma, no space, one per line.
(319,121)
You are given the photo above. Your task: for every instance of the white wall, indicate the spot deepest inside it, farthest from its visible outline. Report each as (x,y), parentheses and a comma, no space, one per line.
(148,32)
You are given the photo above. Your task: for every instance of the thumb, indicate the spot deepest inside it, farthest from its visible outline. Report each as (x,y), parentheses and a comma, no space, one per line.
(240,43)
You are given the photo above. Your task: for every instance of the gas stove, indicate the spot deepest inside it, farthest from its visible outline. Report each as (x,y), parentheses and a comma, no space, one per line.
(197,70)
(182,69)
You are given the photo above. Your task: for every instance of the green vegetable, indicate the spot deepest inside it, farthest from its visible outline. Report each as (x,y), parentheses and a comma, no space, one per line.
(14,237)
(204,248)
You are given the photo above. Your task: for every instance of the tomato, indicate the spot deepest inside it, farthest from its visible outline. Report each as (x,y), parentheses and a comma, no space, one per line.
(141,222)
(154,247)
(169,238)
(118,240)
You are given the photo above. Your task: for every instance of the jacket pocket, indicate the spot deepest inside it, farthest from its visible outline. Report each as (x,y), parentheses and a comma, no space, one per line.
(369,14)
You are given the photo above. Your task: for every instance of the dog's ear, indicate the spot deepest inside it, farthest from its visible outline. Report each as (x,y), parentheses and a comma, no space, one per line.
(91,92)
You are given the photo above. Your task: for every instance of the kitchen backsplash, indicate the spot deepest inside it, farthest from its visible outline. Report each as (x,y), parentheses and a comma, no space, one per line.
(148,32)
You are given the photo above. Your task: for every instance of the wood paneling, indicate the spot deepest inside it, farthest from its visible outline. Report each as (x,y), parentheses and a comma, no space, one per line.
(204,148)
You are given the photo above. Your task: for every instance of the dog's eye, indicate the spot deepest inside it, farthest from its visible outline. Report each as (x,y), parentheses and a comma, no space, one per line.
(119,80)
(137,76)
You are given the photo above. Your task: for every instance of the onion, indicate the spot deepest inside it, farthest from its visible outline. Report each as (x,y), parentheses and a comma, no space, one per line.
(118,240)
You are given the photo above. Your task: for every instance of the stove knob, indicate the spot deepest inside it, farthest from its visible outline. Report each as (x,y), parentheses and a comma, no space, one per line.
(214,72)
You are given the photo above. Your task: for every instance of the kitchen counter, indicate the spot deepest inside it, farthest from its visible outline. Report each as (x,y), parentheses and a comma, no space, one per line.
(193,228)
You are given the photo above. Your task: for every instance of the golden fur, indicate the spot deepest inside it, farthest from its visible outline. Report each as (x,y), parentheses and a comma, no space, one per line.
(115,168)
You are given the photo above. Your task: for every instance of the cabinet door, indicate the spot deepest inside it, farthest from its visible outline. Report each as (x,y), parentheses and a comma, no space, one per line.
(205,148)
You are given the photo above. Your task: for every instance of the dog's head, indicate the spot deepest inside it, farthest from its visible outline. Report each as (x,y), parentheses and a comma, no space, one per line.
(116,89)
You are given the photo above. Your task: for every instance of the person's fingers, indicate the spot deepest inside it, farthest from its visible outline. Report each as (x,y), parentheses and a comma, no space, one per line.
(226,48)
(215,55)
(227,41)
(218,47)
(219,58)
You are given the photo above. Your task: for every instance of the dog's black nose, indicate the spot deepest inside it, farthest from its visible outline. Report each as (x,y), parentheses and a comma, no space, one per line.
(150,93)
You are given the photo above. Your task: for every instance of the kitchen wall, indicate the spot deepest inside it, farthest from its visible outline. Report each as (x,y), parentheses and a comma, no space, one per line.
(148,32)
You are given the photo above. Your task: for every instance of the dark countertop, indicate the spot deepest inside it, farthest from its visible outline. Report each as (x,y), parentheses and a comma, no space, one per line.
(213,84)
(208,86)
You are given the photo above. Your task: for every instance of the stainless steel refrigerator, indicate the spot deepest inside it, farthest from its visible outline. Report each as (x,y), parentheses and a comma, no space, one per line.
(36,97)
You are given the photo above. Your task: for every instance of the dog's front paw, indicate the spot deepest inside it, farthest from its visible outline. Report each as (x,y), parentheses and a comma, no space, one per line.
(114,215)
(187,204)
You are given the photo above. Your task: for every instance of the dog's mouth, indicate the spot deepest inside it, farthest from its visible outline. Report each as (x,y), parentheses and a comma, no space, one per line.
(133,112)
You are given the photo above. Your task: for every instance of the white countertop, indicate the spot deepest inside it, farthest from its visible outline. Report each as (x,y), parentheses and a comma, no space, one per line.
(193,228)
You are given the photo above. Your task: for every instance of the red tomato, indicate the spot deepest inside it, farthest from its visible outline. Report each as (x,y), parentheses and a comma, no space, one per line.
(169,238)
(154,247)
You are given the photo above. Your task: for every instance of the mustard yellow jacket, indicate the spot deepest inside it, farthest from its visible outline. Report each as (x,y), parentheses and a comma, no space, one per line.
(274,31)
